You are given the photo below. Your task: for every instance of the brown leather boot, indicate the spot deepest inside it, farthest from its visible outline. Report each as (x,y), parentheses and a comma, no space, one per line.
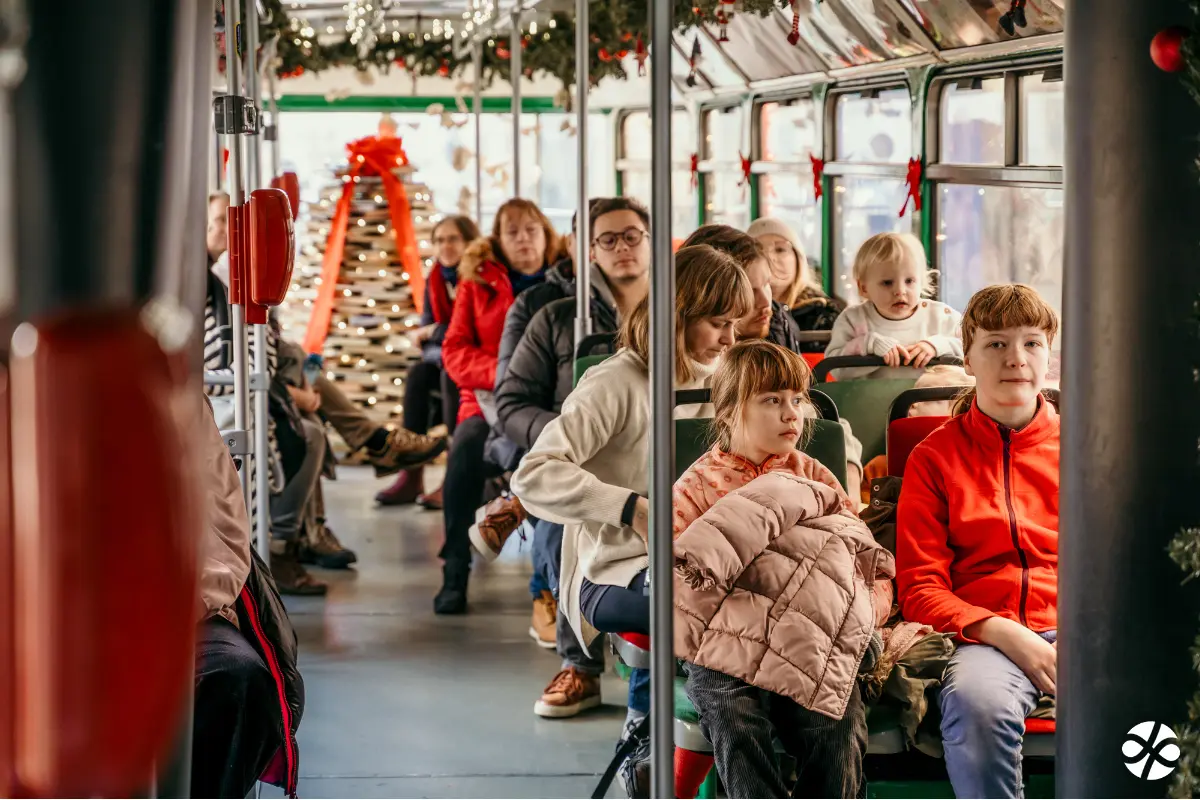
(494,523)
(405,449)
(405,490)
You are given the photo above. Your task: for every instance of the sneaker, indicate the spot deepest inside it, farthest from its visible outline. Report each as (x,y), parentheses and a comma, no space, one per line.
(431,501)
(326,551)
(494,523)
(568,694)
(405,449)
(544,623)
(407,489)
(634,772)
(292,578)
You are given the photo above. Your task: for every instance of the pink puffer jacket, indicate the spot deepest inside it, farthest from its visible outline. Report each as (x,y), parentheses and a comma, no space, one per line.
(772,586)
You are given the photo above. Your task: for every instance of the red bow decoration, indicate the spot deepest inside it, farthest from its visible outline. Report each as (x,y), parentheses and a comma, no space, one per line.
(818,168)
(695,170)
(374,155)
(913,181)
(745,170)
(225,161)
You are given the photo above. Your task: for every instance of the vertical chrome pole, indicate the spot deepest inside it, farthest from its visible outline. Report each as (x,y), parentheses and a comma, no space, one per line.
(254,93)
(662,397)
(583,228)
(237,196)
(274,101)
(14,30)
(515,65)
(477,60)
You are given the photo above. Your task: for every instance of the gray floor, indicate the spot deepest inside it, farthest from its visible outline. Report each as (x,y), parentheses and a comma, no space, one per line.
(402,703)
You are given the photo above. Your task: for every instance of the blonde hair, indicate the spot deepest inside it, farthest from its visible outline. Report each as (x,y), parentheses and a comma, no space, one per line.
(943,375)
(893,248)
(708,284)
(995,308)
(748,369)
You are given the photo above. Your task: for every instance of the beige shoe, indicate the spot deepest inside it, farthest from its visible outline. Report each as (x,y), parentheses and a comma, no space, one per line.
(568,694)
(404,450)
(543,624)
(495,522)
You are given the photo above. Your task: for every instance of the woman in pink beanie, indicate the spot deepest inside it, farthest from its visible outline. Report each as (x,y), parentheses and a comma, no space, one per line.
(793,283)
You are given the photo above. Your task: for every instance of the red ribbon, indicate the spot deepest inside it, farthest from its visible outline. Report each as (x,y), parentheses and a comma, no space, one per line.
(746,163)
(913,181)
(370,156)
(818,168)
(695,170)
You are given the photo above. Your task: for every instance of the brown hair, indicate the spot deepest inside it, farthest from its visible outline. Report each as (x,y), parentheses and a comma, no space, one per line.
(708,284)
(743,247)
(466,226)
(608,205)
(750,368)
(1005,305)
(519,206)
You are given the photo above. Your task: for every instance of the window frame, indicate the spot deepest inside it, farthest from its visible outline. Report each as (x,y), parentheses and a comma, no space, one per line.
(706,166)
(623,164)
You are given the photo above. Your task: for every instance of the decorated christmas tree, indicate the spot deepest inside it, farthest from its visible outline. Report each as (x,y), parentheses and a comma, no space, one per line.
(358,286)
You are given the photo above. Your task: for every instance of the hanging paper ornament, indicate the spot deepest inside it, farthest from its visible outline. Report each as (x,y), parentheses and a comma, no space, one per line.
(460,158)
(640,54)
(1166,49)
(465,196)
(724,15)
(693,62)
(562,99)
(1014,18)
(794,37)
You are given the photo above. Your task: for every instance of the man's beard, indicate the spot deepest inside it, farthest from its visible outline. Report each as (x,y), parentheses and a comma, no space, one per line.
(754,331)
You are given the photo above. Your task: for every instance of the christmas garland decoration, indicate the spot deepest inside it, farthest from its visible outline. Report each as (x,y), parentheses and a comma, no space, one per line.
(1177,50)
(616,29)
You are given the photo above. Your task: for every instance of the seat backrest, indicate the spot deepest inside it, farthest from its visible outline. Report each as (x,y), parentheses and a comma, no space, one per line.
(692,438)
(827,444)
(865,404)
(903,435)
(582,365)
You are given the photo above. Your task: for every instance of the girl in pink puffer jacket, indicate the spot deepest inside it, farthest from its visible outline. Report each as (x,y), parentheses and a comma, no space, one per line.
(760,394)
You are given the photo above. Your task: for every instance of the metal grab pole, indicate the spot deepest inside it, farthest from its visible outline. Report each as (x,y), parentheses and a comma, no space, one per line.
(237,196)
(662,396)
(477,60)
(515,66)
(254,93)
(583,227)
(274,118)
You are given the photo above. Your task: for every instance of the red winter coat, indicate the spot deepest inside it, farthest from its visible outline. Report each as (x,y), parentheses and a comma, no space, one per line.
(472,341)
(977,524)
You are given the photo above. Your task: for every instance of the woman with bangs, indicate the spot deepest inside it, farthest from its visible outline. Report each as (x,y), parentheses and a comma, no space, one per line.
(492,272)
(589,468)
(977,540)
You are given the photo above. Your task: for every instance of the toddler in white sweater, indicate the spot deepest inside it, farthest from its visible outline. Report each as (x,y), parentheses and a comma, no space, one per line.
(894,321)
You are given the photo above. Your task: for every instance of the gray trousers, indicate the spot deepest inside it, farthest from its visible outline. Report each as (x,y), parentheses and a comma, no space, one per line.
(588,660)
(742,722)
(289,506)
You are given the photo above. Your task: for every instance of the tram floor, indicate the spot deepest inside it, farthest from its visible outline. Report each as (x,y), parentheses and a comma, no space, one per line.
(402,703)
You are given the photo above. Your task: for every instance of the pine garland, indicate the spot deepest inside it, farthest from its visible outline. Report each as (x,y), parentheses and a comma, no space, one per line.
(1184,549)
(614,27)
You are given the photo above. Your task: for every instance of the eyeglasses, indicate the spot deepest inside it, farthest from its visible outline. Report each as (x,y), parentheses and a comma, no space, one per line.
(632,237)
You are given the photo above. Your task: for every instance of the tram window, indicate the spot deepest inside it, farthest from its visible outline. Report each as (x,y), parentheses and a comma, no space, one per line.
(726,203)
(636,137)
(637,184)
(723,140)
(789,196)
(999,234)
(972,121)
(1043,126)
(788,132)
(863,207)
(724,144)
(875,128)
(557,154)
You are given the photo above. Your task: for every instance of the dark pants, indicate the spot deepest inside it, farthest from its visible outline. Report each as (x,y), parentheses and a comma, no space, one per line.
(617,609)
(741,722)
(420,412)
(236,728)
(462,491)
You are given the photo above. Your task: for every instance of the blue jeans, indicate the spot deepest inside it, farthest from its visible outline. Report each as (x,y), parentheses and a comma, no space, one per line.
(985,699)
(547,552)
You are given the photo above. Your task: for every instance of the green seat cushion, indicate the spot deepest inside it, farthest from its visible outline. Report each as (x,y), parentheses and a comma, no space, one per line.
(684,710)
(582,365)
(827,444)
(865,404)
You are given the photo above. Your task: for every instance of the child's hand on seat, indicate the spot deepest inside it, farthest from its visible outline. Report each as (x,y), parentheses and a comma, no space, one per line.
(896,357)
(920,354)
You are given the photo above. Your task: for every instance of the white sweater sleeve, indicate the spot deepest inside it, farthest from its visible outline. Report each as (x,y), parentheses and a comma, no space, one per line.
(852,336)
(551,480)
(946,339)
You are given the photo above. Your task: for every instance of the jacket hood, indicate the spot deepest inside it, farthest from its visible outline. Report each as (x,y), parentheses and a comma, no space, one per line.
(481,262)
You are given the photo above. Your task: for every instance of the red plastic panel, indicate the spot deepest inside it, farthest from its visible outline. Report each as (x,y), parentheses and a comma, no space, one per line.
(1039,726)
(636,639)
(272,246)
(290,184)
(905,434)
(107,518)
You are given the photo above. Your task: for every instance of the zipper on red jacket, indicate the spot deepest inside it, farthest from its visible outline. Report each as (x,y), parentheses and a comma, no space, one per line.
(1006,435)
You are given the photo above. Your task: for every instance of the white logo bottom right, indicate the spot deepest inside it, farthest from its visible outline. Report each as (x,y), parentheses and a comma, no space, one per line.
(1151,751)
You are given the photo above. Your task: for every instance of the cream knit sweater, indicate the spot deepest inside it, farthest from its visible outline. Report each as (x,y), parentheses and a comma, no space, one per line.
(583,468)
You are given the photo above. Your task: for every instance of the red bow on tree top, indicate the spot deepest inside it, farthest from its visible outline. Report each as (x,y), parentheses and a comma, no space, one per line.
(913,182)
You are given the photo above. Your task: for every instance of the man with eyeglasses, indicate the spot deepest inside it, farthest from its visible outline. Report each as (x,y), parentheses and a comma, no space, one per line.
(530,394)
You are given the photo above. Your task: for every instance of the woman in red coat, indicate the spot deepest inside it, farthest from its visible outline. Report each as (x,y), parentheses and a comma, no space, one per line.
(493,271)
